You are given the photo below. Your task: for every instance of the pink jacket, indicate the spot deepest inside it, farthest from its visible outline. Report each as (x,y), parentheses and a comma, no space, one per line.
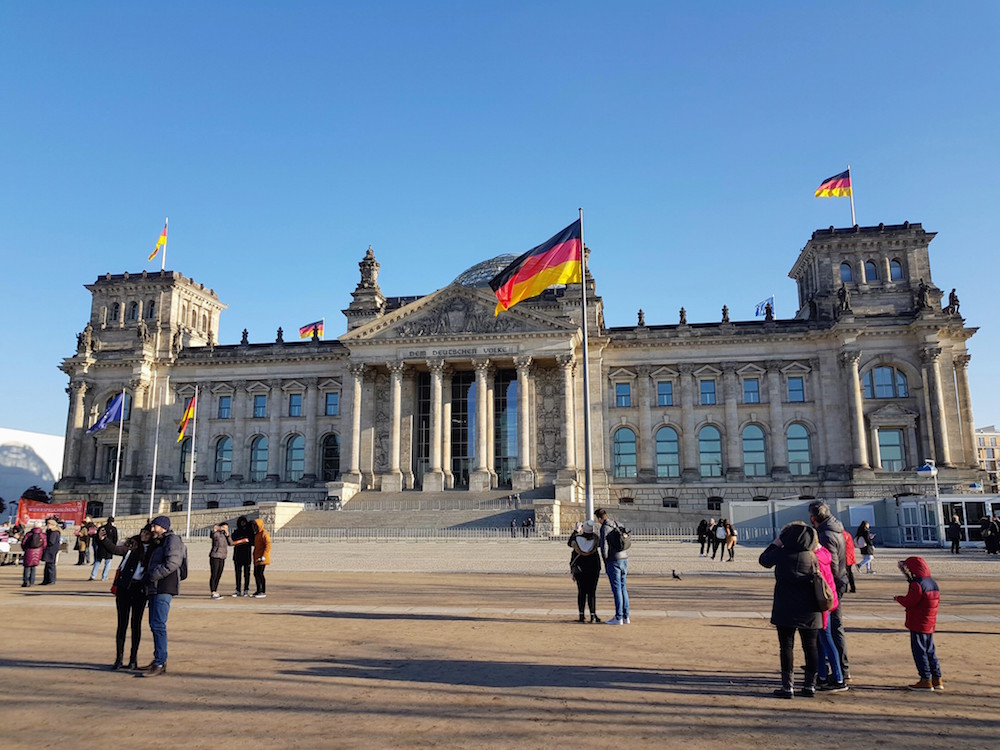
(823,555)
(33,556)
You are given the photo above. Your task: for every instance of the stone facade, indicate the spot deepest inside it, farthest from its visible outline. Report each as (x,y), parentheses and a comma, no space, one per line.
(845,399)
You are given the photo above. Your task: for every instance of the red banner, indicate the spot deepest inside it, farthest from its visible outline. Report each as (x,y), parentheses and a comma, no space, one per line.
(71,513)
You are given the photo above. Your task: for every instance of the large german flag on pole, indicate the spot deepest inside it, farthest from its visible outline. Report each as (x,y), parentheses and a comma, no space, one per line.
(188,415)
(558,260)
(838,186)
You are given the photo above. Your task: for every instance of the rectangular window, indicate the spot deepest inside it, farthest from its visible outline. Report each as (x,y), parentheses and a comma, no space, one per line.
(989,452)
(890,446)
(623,394)
(664,393)
(332,404)
(796,389)
(259,406)
(993,441)
(707,392)
(225,407)
(751,391)
(982,442)
(295,404)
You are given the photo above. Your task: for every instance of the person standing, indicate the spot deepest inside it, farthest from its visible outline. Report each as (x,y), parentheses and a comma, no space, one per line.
(167,556)
(850,560)
(830,532)
(129,590)
(585,566)
(100,553)
(217,556)
(730,541)
(865,547)
(954,534)
(921,603)
(615,559)
(50,555)
(261,557)
(83,541)
(702,536)
(713,535)
(33,544)
(793,607)
(242,553)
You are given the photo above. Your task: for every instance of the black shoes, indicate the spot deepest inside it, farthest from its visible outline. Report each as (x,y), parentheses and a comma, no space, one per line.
(582,618)
(784,692)
(154,670)
(117,665)
(594,618)
(132,666)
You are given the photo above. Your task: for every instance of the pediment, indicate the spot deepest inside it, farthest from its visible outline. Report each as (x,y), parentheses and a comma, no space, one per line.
(892,414)
(455,312)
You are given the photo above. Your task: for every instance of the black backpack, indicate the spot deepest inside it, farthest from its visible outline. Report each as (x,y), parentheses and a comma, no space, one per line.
(619,539)
(34,541)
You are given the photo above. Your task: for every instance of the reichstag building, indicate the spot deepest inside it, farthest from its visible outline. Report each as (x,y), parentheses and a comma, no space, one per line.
(433,394)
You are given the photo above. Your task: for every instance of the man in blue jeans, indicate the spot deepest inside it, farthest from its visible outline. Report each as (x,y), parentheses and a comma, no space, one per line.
(165,567)
(616,566)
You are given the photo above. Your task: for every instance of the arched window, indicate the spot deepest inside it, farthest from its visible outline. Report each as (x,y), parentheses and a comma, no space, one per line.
(331,459)
(126,409)
(871,271)
(186,459)
(846,274)
(223,459)
(133,310)
(799,450)
(204,322)
(116,312)
(885,382)
(895,270)
(624,453)
(194,319)
(754,451)
(150,309)
(258,459)
(710,452)
(295,458)
(668,456)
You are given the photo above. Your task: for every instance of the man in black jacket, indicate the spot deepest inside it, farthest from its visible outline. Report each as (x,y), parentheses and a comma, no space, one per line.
(831,536)
(53,538)
(166,557)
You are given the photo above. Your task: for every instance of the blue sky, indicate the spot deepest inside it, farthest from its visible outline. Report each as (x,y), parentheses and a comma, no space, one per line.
(283,138)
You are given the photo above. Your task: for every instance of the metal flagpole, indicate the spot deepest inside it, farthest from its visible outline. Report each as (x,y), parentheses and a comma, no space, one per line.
(588,468)
(851,180)
(156,444)
(194,446)
(163,258)
(118,456)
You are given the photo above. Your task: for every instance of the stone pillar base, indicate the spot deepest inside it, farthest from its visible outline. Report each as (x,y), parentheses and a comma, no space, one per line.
(434,481)
(522,480)
(480,481)
(547,518)
(344,490)
(392,482)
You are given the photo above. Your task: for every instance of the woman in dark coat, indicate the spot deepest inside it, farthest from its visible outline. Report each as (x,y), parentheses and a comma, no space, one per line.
(954,534)
(794,607)
(585,565)
(130,592)
(702,536)
(50,556)
(865,547)
(33,544)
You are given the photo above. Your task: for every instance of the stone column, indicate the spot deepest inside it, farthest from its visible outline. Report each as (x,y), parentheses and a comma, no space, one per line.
(479,479)
(449,478)
(75,427)
(778,446)
(311,407)
(491,425)
(876,450)
(241,451)
(931,356)
(136,427)
(734,444)
(855,405)
(646,458)
(393,481)
(965,410)
(524,477)
(434,479)
(690,464)
(275,455)
(353,474)
(88,443)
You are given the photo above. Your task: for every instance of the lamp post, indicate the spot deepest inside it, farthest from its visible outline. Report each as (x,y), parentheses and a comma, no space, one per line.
(929,469)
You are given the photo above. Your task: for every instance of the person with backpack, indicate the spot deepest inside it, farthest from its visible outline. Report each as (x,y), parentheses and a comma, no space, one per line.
(614,544)
(33,543)
(585,567)
(242,553)
(702,536)
(166,567)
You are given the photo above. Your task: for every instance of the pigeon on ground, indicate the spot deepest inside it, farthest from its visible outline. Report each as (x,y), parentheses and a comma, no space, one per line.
(676,575)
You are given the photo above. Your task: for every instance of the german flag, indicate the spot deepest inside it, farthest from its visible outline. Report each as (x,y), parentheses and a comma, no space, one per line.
(161,242)
(188,416)
(558,260)
(838,186)
(306,331)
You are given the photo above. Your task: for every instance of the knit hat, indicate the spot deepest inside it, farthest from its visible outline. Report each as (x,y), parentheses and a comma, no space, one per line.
(162,521)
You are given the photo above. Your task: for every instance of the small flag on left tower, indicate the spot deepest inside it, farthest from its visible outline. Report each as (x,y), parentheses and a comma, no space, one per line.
(161,242)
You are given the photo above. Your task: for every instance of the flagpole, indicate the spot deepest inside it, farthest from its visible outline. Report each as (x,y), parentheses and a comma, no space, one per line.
(118,457)
(588,468)
(156,444)
(851,181)
(323,337)
(163,258)
(194,445)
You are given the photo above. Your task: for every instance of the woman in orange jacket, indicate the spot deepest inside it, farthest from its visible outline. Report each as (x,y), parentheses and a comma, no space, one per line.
(261,557)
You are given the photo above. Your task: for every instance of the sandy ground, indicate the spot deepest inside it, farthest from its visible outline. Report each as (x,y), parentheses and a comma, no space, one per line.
(356,657)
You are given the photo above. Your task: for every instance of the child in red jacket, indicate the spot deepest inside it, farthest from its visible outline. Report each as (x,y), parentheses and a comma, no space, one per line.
(921,602)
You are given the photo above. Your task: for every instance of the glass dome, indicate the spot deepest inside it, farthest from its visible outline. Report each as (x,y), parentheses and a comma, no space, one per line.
(482,273)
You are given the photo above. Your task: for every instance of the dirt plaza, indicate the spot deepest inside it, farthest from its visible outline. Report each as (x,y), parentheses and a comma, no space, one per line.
(476,645)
